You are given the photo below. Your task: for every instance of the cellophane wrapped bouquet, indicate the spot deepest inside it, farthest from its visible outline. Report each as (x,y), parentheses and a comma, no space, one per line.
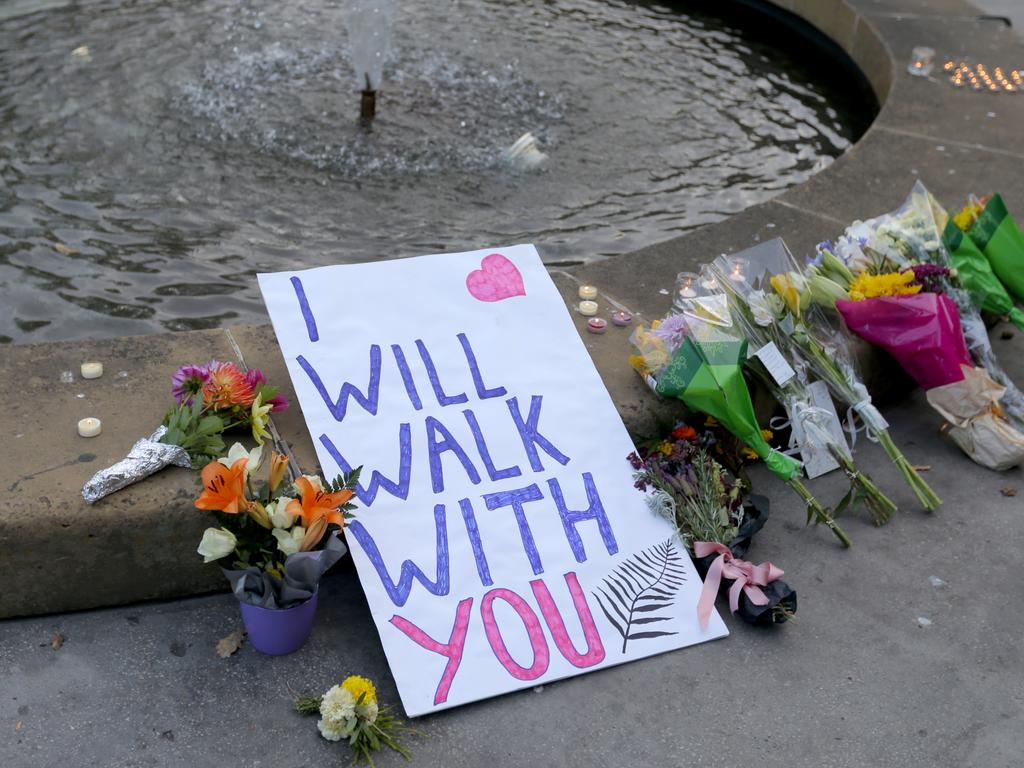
(898,298)
(697,357)
(761,314)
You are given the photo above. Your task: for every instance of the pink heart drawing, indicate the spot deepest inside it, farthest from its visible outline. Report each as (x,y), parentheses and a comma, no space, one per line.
(497,279)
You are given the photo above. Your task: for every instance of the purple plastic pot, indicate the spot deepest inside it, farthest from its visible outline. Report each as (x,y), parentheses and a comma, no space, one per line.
(279,631)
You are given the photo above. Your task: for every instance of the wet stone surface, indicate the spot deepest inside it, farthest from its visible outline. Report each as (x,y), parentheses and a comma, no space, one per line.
(156,155)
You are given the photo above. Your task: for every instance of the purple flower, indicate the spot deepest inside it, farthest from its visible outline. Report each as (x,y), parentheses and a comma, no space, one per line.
(188,381)
(819,252)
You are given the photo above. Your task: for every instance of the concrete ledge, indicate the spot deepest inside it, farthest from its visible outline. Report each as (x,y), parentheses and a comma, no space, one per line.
(59,554)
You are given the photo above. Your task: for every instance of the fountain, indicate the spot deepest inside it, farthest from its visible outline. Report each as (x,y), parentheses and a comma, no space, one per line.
(369,34)
(156,154)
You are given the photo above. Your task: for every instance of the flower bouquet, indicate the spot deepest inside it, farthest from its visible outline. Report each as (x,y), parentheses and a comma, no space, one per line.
(761,316)
(921,329)
(823,348)
(693,491)
(975,273)
(281,538)
(697,357)
(350,711)
(995,232)
(210,399)
(912,235)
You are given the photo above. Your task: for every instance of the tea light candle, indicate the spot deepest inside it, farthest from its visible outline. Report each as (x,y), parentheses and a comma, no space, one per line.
(622,318)
(596,325)
(737,270)
(687,287)
(588,292)
(922,60)
(89,427)
(92,370)
(588,308)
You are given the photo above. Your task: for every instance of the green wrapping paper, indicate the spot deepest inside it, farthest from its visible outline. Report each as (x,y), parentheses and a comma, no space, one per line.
(976,275)
(708,377)
(997,236)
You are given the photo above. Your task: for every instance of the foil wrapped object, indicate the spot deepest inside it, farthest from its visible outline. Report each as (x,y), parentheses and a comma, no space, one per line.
(146,457)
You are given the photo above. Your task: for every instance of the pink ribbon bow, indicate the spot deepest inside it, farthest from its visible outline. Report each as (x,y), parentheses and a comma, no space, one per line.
(747,577)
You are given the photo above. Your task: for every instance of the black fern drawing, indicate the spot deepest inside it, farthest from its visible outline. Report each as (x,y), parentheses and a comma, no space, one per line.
(638,592)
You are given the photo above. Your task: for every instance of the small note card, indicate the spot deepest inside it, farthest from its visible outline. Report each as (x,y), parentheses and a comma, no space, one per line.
(776,364)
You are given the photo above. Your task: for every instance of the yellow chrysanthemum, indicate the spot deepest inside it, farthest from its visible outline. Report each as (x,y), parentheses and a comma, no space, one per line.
(967,216)
(710,421)
(637,363)
(360,686)
(890,284)
(767,434)
(665,448)
(749,453)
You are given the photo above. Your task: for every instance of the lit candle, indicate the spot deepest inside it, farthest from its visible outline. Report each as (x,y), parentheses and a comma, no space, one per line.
(686,285)
(922,60)
(92,370)
(588,292)
(736,272)
(622,318)
(596,325)
(588,308)
(89,427)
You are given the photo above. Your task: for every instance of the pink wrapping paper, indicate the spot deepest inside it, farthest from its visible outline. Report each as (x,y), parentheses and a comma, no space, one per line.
(922,332)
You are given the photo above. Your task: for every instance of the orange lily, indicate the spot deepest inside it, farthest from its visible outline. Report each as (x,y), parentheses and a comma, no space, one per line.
(316,504)
(278,465)
(224,487)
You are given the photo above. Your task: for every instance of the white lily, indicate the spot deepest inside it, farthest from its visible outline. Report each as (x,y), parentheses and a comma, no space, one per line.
(289,541)
(238,451)
(278,512)
(216,543)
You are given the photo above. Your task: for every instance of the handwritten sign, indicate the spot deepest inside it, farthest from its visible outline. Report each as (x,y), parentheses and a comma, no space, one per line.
(499,540)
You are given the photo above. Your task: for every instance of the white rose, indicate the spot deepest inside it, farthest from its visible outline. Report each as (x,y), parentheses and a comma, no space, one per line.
(216,543)
(238,451)
(289,541)
(279,516)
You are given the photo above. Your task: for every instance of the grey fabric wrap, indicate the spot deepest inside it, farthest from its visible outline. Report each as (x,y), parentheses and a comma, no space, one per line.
(302,572)
(146,457)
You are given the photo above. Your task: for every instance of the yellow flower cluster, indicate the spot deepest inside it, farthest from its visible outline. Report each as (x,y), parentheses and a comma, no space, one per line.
(653,352)
(968,215)
(358,686)
(889,284)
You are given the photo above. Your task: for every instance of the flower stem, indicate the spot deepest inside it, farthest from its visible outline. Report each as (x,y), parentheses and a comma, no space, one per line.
(922,490)
(814,509)
(880,506)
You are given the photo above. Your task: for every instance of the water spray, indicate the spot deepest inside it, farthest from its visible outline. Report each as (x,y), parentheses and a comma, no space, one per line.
(369,35)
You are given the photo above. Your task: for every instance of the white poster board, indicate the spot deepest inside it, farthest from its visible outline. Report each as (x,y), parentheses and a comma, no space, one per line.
(499,538)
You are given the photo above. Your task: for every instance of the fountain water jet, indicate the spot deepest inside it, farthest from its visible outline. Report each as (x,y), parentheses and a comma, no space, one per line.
(369,32)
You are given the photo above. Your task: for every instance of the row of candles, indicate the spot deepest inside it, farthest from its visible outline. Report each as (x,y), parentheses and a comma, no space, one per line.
(978,77)
(689,285)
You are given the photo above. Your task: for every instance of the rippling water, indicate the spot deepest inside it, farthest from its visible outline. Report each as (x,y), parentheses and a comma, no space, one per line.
(145,180)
